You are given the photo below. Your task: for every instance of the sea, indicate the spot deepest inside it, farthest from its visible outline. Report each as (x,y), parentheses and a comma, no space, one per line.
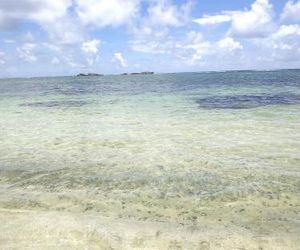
(207,160)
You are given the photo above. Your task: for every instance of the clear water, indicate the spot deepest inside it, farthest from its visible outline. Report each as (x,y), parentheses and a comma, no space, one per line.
(194,149)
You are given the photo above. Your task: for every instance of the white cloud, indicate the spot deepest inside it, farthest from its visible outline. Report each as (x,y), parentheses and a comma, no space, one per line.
(257,22)
(148,46)
(285,43)
(118,57)
(280,48)
(65,31)
(196,49)
(210,20)
(192,49)
(26,52)
(65,20)
(42,11)
(91,46)
(160,16)
(291,11)
(106,13)
(287,31)
(253,23)
(164,13)
(52,16)
(229,44)
(115,13)
(50,10)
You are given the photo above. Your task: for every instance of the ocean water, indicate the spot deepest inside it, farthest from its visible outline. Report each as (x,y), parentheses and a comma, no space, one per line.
(167,161)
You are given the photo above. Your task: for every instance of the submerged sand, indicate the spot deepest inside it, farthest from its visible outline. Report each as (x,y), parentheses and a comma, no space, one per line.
(95,209)
(176,161)
(25,229)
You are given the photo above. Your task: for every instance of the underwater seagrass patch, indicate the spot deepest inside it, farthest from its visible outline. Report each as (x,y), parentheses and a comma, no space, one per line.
(55,104)
(247,101)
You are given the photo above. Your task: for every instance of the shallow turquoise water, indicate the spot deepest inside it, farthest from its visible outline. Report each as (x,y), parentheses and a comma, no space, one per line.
(176,141)
(228,118)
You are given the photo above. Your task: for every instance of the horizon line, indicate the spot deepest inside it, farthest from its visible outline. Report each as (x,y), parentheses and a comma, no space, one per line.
(154,73)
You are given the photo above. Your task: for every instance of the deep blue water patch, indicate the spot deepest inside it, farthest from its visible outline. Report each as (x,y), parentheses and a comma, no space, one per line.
(247,101)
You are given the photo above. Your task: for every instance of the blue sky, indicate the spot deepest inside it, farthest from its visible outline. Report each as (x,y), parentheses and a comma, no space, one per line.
(65,37)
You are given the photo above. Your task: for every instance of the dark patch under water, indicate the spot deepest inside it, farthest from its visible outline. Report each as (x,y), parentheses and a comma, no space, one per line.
(247,101)
(55,104)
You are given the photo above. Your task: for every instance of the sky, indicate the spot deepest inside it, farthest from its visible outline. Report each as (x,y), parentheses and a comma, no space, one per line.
(67,37)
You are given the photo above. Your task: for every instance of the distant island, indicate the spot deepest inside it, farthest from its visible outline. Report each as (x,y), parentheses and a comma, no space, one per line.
(138,73)
(141,73)
(123,74)
(89,74)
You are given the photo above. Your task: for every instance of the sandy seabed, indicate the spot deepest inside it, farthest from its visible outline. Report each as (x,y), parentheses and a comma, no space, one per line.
(156,162)
(23,229)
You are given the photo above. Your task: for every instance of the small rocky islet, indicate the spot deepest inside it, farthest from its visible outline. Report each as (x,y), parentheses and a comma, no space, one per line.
(123,74)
